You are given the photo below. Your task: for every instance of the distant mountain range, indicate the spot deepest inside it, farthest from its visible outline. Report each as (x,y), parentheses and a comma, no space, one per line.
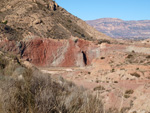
(118,28)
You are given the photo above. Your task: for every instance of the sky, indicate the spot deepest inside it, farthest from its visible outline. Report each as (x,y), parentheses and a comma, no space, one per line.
(95,9)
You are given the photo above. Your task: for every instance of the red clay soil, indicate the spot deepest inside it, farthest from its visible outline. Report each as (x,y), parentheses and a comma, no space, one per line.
(51,52)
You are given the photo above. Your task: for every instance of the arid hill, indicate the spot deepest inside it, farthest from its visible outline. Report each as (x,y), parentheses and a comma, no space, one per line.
(44,18)
(45,34)
(118,28)
(42,46)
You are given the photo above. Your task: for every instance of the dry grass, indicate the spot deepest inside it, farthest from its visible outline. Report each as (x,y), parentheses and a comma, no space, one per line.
(39,93)
(24,90)
(100,41)
(8,63)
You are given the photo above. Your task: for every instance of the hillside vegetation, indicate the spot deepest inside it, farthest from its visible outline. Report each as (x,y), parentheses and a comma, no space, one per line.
(27,90)
(45,18)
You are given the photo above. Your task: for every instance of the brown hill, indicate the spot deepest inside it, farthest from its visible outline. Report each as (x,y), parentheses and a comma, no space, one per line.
(118,28)
(28,26)
(44,18)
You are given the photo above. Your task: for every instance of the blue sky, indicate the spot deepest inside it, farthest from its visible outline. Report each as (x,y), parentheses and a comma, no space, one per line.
(94,9)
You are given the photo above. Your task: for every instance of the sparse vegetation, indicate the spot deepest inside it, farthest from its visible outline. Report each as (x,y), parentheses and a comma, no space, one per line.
(102,57)
(8,63)
(4,22)
(126,96)
(38,93)
(35,92)
(99,88)
(115,81)
(148,56)
(135,74)
(129,91)
(10,33)
(70,21)
(89,73)
(100,41)
(107,75)
(113,70)
(129,56)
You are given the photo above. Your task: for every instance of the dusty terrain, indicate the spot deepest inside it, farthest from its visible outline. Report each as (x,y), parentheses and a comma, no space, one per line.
(120,77)
(42,34)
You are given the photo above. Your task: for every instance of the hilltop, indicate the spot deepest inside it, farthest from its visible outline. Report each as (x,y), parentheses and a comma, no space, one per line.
(46,19)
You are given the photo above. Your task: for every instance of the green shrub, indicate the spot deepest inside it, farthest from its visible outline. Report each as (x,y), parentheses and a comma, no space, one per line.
(4,22)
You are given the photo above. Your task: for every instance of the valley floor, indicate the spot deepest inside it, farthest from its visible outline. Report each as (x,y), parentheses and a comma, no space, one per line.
(120,77)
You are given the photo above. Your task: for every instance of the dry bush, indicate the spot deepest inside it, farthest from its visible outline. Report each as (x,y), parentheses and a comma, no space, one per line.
(129,91)
(99,88)
(39,93)
(135,74)
(100,41)
(8,63)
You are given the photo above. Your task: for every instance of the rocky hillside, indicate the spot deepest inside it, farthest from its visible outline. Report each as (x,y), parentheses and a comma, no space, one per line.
(43,18)
(118,28)
(40,33)
(45,34)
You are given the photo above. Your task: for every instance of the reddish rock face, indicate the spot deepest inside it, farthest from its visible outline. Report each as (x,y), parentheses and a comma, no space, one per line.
(50,52)
(41,52)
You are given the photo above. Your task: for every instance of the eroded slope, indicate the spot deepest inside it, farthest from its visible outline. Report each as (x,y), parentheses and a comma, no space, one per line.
(45,19)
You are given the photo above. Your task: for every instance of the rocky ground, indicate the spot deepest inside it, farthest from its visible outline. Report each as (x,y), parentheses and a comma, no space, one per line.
(40,33)
(118,73)
(120,77)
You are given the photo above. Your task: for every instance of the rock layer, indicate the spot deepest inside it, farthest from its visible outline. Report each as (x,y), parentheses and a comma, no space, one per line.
(52,52)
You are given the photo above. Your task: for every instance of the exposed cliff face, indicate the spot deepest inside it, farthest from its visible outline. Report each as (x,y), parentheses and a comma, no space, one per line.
(45,34)
(118,28)
(52,52)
